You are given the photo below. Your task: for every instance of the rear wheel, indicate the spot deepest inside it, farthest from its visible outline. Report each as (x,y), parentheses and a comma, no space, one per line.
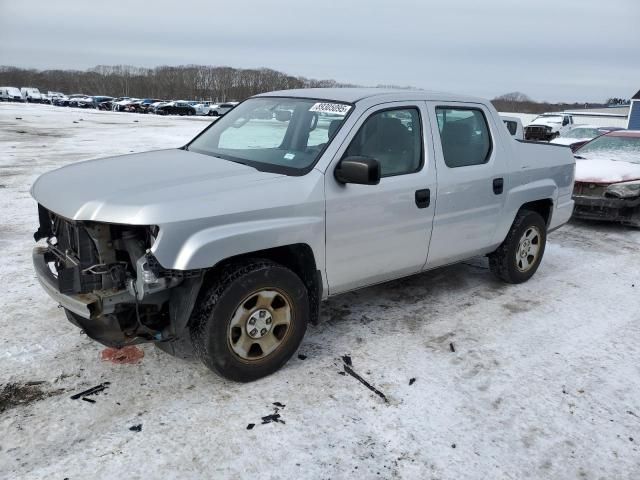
(519,256)
(250,320)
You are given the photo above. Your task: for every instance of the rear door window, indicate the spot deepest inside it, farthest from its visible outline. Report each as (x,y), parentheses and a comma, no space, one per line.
(464,135)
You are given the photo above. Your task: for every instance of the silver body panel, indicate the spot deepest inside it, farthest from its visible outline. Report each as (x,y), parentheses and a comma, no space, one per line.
(209,209)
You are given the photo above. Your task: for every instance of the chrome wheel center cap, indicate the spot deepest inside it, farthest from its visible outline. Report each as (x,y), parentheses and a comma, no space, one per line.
(259,323)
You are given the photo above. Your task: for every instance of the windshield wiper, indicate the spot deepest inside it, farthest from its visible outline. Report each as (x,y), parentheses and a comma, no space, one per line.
(579,157)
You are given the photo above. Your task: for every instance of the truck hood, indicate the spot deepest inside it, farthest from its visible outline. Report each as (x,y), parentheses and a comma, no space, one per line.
(541,122)
(606,171)
(162,186)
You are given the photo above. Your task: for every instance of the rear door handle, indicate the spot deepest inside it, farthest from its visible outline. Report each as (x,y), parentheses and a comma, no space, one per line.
(423,198)
(498,185)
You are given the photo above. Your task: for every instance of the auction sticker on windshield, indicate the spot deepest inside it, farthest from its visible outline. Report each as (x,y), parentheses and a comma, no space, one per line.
(337,108)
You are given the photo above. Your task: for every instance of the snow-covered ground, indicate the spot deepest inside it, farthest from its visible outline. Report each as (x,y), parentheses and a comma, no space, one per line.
(540,380)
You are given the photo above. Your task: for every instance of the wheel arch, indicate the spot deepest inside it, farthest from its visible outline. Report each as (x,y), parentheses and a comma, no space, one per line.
(297,257)
(544,207)
(538,196)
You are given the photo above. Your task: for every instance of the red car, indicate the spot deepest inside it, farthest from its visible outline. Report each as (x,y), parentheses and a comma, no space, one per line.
(607,180)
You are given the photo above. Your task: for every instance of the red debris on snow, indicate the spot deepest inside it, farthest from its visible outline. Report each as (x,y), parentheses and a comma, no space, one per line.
(123,355)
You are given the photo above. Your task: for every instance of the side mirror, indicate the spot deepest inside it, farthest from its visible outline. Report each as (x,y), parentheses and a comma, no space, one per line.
(359,170)
(283,115)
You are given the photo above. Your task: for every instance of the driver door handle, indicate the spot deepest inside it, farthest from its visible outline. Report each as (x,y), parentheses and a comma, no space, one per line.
(423,198)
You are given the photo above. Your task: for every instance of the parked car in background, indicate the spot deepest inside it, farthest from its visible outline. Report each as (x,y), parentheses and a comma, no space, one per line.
(93,101)
(607,184)
(119,104)
(11,94)
(75,99)
(176,108)
(84,101)
(106,105)
(54,95)
(31,94)
(202,108)
(217,110)
(548,126)
(234,239)
(603,130)
(152,108)
(577,136)
(145,104)
(61,101)
(514,125)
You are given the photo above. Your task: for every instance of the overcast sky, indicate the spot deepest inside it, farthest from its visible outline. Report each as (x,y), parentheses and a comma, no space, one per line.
(552,50)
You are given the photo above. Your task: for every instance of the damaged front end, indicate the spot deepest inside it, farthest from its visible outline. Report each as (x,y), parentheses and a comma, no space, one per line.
(109,283)
(607,202)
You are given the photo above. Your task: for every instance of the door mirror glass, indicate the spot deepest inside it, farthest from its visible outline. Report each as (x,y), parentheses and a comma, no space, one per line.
(359,170)
(283,115)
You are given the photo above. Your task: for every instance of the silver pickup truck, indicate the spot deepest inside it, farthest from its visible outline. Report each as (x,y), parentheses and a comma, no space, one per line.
(234,239)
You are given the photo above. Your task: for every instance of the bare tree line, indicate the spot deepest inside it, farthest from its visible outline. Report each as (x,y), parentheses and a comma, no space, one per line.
(193,82)
(521,103)
(220,84)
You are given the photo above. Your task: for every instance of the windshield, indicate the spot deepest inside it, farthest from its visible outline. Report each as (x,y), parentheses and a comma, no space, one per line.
(625,149)
(284,135)
(581,133)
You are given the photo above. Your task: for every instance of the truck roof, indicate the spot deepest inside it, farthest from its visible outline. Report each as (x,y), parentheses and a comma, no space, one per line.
(353,95)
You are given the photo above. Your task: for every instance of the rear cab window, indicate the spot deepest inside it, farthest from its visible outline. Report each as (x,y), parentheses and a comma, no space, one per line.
(511,126)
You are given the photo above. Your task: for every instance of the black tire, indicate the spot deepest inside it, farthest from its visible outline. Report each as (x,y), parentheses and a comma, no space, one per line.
(210,323)
(504,262)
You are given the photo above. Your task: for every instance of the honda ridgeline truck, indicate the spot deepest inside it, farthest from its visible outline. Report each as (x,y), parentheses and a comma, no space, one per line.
(234,239)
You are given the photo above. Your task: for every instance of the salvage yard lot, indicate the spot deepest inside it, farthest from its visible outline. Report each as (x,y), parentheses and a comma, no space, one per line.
(481,379)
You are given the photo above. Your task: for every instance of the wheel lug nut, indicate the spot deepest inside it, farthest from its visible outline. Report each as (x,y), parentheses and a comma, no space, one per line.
(262,314)
(263,331)
(252,321)
(254,332)
(268,321)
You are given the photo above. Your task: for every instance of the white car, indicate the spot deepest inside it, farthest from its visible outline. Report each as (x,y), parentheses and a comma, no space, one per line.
(514,125)
(51,97)
(202,108)
(578,135)
(10,94)
(548,126)
(219,109)
(120,105)
(31,94)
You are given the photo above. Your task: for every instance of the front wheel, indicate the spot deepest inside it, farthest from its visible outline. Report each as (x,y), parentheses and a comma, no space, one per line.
(519,256)
(250,320)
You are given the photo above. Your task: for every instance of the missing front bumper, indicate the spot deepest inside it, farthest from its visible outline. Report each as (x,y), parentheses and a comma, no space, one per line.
(626,211)
(86,305)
